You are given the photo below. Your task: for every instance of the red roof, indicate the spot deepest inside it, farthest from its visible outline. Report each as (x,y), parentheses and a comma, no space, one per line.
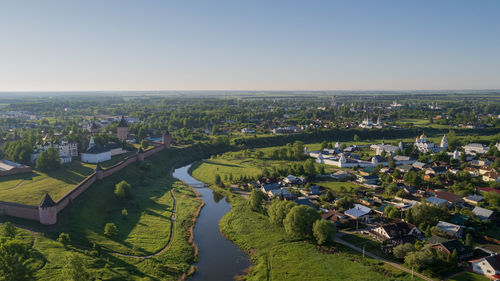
(448,196)
(489,189)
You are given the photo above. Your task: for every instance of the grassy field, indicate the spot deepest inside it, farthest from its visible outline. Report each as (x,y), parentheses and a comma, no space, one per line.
(469,276)
(336,186)
(29,188)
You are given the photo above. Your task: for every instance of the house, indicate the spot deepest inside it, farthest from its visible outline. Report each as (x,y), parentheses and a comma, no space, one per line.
(419,165)
(473,199)
(404,168)
(334,216)
(436,170)
(436,201)
(268,187)
(370,179)
(247,131)
(472,171)
(491,176)
(359,212)
(452,198)
(304,201)
(274,193)
(291,179)
(11,168)
(403,160)
(463,252)
(115,149)
(396,232)
(485,169)
(487,266)
(450,229)
(340,175)
(366,201)
(489,189)
(482,213)
(475,148)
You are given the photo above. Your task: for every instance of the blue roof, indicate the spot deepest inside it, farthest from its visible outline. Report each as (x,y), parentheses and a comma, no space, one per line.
(482,213)
(304,201)
(277,192)
(271,186)
(436,201)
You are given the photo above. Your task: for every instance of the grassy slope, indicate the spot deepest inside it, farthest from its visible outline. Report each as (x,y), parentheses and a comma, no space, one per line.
(277,257)
(469,276)
(145,231)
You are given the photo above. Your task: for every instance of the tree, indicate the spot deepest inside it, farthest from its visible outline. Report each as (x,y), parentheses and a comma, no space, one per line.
(76,270)
(110,229)
(256,199)
(418,259)
(9,230)
(356,138)
(299,221)
(468,240)
(329,196)
(278,211)
(48,160)
(122,190)
(324,231)
(124,214)
(64,239)
(402,250)
(14,261)
(144,144)
(218,181)
(309,168)
(391,163)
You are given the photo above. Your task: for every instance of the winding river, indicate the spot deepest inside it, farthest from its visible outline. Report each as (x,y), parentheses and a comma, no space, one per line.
(218,258)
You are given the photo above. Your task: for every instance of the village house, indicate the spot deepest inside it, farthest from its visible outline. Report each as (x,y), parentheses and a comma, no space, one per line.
(472,171)
(436,201)
(451,198)
(359,212)
(491,176)
(473,199)
(396,233)
(452,230)
(482,213)
(334,216)
(487,266)
(447,247)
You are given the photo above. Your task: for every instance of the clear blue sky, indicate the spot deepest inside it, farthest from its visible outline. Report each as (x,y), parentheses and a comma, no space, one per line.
(249,45)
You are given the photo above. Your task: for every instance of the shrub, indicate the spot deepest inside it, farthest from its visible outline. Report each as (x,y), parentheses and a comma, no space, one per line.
(64,239)
(110,229)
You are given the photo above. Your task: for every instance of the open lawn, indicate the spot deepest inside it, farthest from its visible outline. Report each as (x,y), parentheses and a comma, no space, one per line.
(339,186)
(29,188)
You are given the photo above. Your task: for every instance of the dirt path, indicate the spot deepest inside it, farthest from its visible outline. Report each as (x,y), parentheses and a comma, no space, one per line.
(170,238)
(398,266)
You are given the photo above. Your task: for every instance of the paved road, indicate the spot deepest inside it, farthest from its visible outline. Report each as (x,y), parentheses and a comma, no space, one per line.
(345,243)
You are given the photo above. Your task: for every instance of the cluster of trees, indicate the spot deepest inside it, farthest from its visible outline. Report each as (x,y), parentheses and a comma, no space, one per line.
(301,222)
(19,151)
(289,152)
(48,160)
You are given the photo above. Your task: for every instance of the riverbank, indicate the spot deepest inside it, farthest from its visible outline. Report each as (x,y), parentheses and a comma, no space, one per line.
(278,257)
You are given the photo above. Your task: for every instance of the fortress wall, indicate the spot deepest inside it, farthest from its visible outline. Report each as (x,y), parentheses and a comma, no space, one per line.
(32,213)
(117,167)
(19,211)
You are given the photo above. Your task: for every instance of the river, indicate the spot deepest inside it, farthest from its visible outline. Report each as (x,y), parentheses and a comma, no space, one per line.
(218,258)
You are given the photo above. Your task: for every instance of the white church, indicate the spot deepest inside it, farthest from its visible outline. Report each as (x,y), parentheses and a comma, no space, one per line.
(95,153)
(424,146)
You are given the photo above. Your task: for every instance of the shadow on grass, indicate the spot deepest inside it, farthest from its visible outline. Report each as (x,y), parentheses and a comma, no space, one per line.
(221,164)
